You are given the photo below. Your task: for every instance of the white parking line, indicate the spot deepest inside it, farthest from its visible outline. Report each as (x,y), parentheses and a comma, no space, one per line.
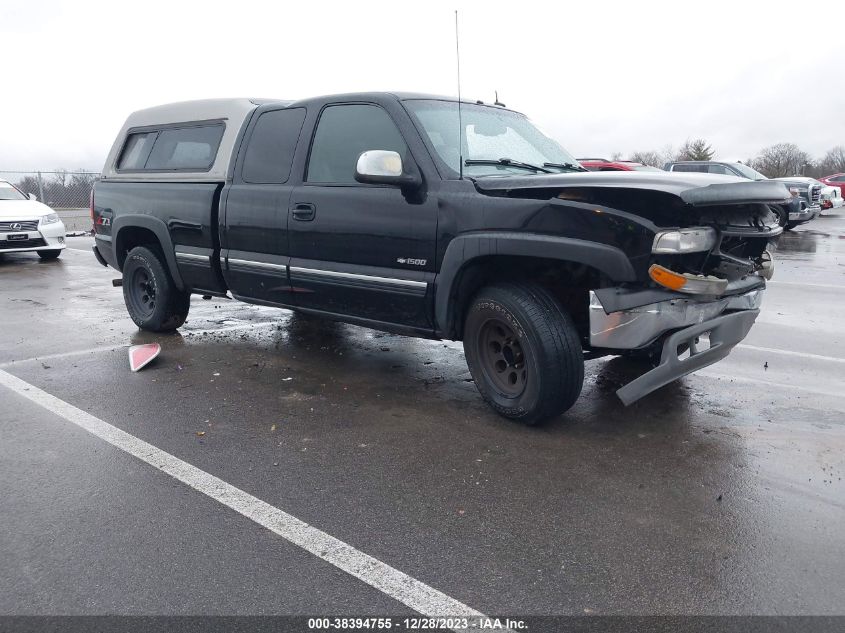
(81,352)
(769,383)
(801,284)
(787,352)
(109,348)
(390,581)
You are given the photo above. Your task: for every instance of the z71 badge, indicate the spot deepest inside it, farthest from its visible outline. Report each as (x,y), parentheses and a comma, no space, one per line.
(411,262)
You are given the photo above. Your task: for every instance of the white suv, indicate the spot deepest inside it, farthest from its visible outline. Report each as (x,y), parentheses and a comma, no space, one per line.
(28,225)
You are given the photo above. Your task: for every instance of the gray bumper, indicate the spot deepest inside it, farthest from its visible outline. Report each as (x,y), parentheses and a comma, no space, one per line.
(637,327)
(724,333)
(804,215)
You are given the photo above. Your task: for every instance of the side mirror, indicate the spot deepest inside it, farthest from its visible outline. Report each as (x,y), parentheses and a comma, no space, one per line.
(383,167)
(32,196)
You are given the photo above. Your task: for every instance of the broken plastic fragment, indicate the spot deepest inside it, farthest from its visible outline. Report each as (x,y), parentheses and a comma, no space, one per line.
(142,355)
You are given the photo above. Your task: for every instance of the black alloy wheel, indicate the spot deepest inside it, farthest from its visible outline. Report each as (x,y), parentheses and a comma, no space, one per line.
(142,292)
(502,357)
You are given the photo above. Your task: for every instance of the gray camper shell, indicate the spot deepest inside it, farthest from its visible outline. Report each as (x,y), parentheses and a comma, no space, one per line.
(185,141)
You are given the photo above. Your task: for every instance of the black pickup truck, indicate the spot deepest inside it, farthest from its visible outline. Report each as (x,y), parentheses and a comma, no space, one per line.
(408,214)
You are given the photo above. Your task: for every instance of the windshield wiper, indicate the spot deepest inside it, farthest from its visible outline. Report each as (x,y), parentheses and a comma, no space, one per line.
(507,162)
(570,166)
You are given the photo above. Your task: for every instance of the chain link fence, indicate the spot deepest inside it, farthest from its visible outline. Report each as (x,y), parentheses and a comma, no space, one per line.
(64,190)
(58,189)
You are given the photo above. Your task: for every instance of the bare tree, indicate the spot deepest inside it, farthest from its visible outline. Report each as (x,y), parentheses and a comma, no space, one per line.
(698,149)
(616,156)
(60,177)
(649,157)
(28,184)
(833,162)
(63,190)
(782,159)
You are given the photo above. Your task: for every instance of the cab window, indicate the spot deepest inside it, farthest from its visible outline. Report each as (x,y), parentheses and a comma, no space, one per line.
(272,143)
(343,133)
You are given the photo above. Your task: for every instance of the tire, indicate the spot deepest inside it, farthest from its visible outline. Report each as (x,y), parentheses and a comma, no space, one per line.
(51,254)
(523,352)
(151,296)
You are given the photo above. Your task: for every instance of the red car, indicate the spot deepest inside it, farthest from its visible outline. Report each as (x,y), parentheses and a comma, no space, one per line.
(602,164)
(834,180)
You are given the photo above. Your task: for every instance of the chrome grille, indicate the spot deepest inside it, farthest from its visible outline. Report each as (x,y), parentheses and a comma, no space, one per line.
(12,244)
(20,226)
(815,194)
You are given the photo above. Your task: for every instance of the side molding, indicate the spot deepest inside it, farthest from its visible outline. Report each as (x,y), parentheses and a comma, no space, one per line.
(463,249)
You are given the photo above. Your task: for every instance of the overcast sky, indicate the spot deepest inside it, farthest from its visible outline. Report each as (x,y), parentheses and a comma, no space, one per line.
(600,77)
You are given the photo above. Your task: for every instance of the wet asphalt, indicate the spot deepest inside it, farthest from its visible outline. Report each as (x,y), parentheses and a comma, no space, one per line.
(721,493)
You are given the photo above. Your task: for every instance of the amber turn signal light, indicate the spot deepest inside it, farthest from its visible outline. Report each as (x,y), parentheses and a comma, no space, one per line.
(666,277)
(689,284)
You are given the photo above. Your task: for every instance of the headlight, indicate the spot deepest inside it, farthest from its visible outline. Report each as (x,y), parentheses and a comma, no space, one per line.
(794,191)
(684,240)
(50,218)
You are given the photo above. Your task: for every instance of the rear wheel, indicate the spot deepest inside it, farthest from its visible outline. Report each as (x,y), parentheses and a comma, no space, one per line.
(523,351)
(51,254)
(152,298)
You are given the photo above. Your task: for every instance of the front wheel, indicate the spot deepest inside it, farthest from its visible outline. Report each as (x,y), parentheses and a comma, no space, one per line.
(152,298)
(523,352)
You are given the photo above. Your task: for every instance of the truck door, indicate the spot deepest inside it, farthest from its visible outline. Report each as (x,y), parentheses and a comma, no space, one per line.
(359,250)
(254,222)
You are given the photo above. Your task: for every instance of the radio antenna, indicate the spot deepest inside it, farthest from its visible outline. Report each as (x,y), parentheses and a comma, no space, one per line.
(460,118)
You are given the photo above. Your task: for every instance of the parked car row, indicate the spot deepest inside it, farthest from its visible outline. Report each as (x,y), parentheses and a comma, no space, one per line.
(603,164)
(806,203)
(810,197)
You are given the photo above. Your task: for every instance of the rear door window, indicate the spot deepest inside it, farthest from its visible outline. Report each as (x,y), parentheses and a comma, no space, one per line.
(271,146)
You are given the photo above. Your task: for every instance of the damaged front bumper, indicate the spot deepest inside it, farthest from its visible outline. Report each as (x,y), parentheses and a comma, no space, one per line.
(681,322)
(724,333)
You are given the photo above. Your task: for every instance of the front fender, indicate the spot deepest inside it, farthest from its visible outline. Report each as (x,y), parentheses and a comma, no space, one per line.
(463,249)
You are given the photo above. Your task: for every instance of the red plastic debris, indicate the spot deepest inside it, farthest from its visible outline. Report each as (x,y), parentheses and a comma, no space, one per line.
(141,355)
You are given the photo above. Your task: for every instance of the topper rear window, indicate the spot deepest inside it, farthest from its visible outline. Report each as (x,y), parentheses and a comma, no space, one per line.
(186,148)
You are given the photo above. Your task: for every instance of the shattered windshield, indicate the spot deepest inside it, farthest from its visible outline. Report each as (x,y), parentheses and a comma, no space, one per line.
(491,134)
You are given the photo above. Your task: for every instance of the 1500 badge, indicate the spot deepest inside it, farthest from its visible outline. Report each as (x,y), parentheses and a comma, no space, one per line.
(411,262)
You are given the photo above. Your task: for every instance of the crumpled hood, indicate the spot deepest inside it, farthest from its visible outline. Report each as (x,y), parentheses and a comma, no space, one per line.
(694,189)
(23,210)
